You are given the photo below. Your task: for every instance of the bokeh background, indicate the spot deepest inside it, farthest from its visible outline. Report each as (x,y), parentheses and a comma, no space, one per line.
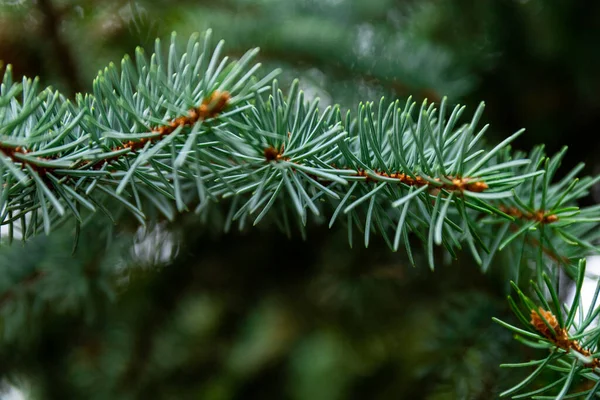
(183,311)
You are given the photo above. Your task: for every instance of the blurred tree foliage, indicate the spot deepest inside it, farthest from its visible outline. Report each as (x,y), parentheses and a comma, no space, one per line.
(183,311)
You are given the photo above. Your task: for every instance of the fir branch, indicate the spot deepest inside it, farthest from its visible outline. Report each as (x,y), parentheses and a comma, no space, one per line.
(167,132)
(140,135)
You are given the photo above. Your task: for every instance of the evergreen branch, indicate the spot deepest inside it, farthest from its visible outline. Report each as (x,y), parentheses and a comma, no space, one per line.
(165,133)
(140,137)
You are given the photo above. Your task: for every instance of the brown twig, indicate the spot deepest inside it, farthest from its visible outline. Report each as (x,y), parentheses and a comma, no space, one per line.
(547,251)
(539,215)
(11,153)
(542,217)
(449,183)
(211,107)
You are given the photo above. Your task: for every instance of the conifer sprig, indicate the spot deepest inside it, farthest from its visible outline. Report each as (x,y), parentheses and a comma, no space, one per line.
(186,131)
(547,217)
(166,130)
(567,333)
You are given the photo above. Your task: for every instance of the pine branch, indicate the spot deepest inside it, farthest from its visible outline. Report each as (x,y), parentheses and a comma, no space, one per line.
(189,131)
(142,138)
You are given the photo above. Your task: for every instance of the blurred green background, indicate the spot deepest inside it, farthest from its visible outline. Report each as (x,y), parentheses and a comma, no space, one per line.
(182,311)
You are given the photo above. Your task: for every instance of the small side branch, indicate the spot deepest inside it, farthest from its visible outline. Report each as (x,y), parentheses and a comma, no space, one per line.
(211,107)
(539,215)
(449,183)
